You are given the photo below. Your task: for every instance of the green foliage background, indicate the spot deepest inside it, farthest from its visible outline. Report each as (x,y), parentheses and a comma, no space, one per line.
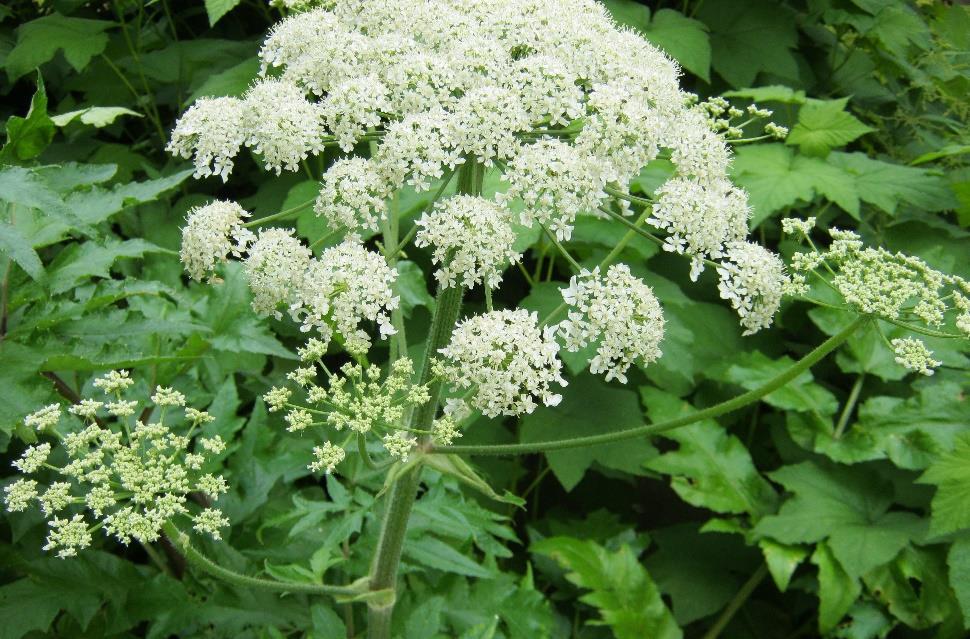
(840,505)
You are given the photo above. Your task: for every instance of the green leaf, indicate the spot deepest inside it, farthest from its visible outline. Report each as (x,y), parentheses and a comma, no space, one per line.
(455,466)
(436,554)
(824,125)
(28,137)
(18,248)
(215,9)
(776,178)
(232,82)
(412,288)
(80,262)
(627,598)
(27,188)
(95,116)
(772,179)
(711,468)
(958,562)
(884,184)
(38,41)
(951,476)
(782,560)
(846,507)
(916,591)
(629,12)
(27,606)
(770,93)
(699,572)
(837,590)
(589,407)
(684,39)
(750,37)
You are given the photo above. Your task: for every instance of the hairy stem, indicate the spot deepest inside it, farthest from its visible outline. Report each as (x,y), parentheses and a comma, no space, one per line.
(401,498)
(197,559)
(728,406)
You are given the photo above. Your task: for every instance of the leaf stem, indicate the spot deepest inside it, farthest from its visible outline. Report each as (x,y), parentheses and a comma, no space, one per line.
(849,405)
(728,406)
(736,602)
(197,559)
(278,216)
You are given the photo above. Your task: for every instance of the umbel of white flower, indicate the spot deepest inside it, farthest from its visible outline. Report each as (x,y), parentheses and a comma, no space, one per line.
(618,313)
(433,82)
(472,240)
(540,92)
(508,363)
(124,475)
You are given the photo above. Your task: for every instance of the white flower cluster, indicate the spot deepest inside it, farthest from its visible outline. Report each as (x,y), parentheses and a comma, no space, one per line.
(508,362)
(273,118)
(352,195)
(345,286)
(129,477)
(358,399)
(213,232)
(277,260)
(557,182)
(700,218)
(472,240)
(433,82)
(618,313)
(753,279)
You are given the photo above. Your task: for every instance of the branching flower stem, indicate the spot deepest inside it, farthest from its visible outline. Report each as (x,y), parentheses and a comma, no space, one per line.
(383,575)
(197,559)
(279,216)
(728,406)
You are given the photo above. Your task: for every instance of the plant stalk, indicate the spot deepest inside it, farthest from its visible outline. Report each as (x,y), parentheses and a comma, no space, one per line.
(387,557)
(197,559)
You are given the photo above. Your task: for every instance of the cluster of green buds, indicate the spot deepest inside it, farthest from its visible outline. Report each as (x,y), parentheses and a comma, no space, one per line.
(106,468)
(356,400)
(725,119)
(898,288)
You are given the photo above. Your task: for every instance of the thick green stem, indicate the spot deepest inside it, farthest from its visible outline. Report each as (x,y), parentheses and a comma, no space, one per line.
(401,498)
(732,404)
(197,559)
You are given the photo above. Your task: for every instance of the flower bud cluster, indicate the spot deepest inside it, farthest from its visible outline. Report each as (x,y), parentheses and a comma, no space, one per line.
(894,286)
(128,477)
(358,399)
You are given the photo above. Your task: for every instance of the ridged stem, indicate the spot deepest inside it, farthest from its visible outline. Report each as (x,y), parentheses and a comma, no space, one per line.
(401,498)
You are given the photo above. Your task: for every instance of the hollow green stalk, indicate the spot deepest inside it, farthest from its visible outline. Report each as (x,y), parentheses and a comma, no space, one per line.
(387,558)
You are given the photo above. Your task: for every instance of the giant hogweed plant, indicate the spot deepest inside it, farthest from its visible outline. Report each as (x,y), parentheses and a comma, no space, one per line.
(438,96)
